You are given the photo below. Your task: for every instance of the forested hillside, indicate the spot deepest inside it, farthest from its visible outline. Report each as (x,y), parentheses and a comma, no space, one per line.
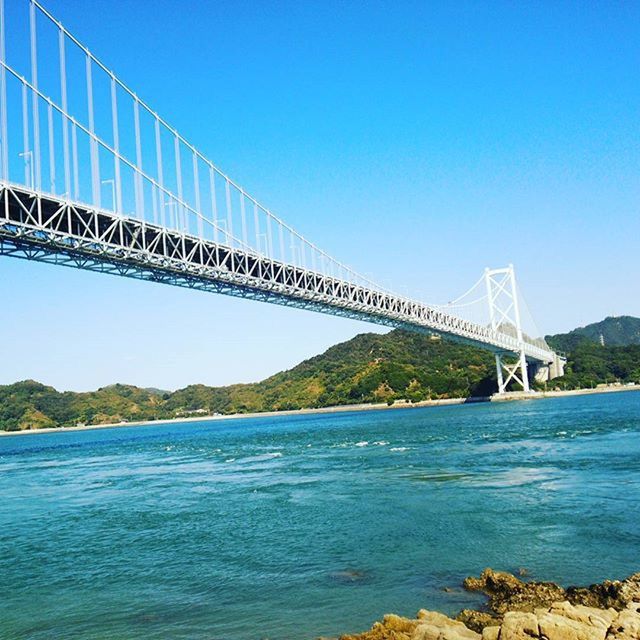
(590,363)
(620,331)
(369,368)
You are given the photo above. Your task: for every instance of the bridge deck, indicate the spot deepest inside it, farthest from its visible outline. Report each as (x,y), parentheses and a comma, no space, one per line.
(46,228)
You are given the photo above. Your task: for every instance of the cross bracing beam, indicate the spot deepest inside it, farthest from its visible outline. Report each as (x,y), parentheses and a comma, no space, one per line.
(47,228)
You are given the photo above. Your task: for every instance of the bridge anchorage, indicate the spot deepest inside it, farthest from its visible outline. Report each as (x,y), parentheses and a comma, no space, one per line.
(108,185)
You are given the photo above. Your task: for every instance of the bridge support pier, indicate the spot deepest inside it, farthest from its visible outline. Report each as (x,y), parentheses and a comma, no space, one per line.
(514,371)
(549,371)
(501,384)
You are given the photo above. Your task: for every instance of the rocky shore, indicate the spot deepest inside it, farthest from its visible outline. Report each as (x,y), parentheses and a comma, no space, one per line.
(520,610)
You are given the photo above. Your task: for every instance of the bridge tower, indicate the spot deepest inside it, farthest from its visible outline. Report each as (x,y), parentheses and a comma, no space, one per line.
(504,309)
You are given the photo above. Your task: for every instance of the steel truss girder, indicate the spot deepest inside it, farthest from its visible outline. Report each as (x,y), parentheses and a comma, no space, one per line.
(41,227)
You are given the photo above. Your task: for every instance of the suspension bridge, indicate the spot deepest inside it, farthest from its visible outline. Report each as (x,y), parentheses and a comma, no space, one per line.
(92,177)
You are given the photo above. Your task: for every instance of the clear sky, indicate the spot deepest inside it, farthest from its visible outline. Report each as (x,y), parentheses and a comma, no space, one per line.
(418,142)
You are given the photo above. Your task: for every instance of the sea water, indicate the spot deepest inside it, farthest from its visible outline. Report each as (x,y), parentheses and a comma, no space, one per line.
(294,527)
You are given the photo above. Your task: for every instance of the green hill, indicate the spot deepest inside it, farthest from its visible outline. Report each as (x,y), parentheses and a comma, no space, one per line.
(369,368)
(620,331)
(31,405)
(590,364)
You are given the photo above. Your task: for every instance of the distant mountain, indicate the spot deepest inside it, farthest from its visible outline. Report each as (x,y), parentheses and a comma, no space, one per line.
(618,331)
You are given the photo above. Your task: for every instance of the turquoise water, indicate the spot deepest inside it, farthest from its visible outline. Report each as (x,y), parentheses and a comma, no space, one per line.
(294,527)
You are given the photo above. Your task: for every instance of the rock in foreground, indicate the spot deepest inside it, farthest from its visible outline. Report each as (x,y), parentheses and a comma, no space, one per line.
(560,621)
(508,593)
(526,611)
(429,625)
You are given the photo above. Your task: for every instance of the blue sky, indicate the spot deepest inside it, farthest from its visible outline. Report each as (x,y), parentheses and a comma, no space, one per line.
(418,142)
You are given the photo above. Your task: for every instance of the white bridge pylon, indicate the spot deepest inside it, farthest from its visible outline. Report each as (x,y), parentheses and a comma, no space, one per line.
(504,311)
(92,177)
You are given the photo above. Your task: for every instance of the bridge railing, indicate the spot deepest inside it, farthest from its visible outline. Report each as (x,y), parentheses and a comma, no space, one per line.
(46,224)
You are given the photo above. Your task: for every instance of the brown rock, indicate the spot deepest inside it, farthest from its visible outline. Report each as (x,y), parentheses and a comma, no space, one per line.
(610,593)
(398,624)
(586,615)
(493,582)
(557,627)
(508,593)
(430,632)
(430,625)
(392,627)
(627,625)
(436,626)
(477,620)
(630,589)
(432,617)
(526,611)
(519,625)
(490,633)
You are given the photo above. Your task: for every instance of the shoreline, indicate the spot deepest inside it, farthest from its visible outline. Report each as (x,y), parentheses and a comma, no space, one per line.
(509,397)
